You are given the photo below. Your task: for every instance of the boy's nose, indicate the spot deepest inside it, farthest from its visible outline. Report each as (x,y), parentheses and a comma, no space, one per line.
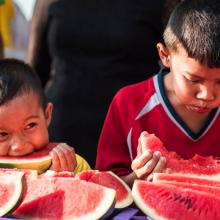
(19,147)
(206,93)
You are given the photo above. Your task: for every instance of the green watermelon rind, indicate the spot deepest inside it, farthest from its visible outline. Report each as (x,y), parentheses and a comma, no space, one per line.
(143,206)
(41,164)
(128,200)
(17,180)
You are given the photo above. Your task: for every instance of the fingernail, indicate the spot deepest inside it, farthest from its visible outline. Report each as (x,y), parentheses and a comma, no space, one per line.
(163,159)
(157,154)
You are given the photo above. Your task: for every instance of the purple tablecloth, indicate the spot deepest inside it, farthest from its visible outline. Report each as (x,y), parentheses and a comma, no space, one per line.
(130,214)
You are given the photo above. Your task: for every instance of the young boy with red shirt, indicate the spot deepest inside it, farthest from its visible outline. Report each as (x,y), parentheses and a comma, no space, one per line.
(180,104)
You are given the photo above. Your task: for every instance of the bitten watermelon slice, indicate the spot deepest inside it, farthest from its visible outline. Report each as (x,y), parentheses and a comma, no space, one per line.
(38,160)
(109,179)
(165,202)
(65,198)
(175,164)
(10,190)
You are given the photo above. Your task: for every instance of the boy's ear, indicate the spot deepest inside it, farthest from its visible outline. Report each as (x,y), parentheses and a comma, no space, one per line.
(48,113)
(164,54)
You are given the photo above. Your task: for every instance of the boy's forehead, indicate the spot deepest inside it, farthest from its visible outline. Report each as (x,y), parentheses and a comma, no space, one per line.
(26,97)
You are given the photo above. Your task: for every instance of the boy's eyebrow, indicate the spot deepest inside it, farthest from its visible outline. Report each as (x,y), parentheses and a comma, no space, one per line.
(192,74)
(196,76)
(32,116)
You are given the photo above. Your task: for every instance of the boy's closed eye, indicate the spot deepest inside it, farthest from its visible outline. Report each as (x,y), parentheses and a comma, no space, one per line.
(3,135)
(193,80)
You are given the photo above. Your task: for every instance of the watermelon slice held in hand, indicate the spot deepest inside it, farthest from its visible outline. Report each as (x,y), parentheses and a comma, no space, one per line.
(38,160)
(175,164)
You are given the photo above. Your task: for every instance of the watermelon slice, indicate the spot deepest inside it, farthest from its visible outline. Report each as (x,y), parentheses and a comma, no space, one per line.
(175,164)
(38,160)
(40,208)
(164,201)
(10,190)
(109,179)
(75,199)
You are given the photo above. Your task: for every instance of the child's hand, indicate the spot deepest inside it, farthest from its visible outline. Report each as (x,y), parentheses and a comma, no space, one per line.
(63,158)
(146,163)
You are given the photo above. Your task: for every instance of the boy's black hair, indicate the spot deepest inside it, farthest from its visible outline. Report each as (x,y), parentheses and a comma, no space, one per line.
(18,78)
(195,24)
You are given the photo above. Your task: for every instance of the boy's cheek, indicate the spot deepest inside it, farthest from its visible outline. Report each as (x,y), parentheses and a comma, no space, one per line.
(3,150)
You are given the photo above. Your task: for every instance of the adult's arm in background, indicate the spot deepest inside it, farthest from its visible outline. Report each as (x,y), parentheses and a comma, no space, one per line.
(38,55)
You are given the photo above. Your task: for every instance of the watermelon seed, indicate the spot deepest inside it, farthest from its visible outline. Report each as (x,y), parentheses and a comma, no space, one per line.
(186,201)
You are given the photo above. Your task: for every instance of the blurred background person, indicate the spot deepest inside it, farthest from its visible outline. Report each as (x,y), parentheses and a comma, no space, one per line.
(14,26)
(84,51)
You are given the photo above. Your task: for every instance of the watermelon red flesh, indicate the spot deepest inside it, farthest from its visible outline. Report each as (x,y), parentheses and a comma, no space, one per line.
(162,201)
(161,177)
(40,208)
(81,199)
(208,189)
(175,164)
(10,190)
(6,193)
(109,179)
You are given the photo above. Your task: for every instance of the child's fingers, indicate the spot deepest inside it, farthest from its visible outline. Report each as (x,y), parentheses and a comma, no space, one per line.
(144,140)
(140,161)
(70,157)
(159,168)
(66,156)
(62,158)
(55,161)
(139,148)
(160,165)
(148,168)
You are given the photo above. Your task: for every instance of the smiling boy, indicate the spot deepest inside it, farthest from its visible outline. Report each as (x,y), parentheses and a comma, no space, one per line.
(180,105)
(25,117)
